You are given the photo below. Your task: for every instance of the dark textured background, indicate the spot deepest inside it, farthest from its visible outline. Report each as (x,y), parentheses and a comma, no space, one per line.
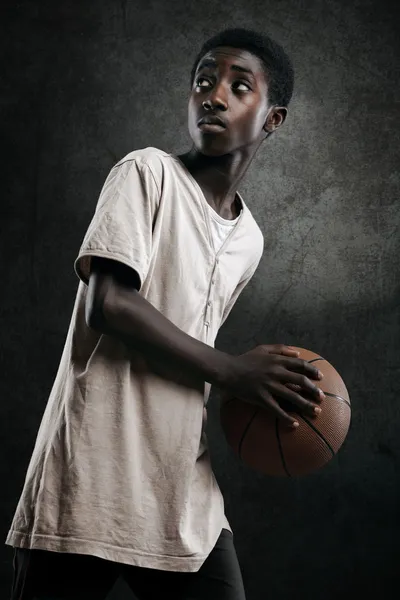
(84,83)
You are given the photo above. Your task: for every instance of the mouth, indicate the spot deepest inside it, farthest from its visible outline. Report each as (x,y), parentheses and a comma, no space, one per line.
(211,124)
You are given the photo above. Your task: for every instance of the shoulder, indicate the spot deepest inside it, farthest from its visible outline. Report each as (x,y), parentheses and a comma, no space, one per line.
(148,162)
(152,158)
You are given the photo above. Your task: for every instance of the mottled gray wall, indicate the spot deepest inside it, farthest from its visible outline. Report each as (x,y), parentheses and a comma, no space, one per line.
(85,83)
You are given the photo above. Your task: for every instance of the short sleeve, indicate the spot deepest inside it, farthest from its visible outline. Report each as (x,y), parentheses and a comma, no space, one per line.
(121,228)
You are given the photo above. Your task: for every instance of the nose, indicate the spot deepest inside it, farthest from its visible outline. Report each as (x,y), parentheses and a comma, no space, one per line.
(216,99)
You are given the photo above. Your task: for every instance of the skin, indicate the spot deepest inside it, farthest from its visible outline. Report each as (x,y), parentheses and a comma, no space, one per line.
(219,161)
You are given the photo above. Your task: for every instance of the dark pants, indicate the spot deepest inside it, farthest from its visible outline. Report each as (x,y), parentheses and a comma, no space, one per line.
(43,575)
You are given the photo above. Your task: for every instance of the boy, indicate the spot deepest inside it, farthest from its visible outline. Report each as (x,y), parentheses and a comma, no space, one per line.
(120,481)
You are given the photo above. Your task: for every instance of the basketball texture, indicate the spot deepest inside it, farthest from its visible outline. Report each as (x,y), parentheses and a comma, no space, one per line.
(271,447)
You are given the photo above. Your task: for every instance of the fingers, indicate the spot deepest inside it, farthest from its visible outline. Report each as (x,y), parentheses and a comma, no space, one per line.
(282,392)
(289,351)
(298,365)
(302,383)
(278,411)
(281,349)
(295,363)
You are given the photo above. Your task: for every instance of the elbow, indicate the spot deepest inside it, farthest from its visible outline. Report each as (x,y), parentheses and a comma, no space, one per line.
(95,312)
(94,317)
(102,297)
(102,312)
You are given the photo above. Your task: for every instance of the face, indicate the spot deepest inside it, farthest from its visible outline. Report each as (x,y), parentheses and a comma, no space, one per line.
(233,85)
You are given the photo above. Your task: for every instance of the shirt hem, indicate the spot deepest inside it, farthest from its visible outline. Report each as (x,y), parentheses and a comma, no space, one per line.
(109,552)
(92,252)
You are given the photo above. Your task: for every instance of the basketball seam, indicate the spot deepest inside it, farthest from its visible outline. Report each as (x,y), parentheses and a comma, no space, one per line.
(277,432)
(340,398)
(244,433)
(318,433)
(329,393)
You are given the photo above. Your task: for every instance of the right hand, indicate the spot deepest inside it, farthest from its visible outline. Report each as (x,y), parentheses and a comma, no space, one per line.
(268,374)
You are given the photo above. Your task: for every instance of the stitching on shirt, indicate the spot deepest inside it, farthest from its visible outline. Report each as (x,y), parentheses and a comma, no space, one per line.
(116,190)
(117,256)
(154,179)
(142,160)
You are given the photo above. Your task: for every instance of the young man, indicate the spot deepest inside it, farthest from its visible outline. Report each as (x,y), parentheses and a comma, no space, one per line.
(120,481)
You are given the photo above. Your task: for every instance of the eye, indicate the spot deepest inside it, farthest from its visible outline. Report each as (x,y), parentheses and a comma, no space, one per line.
(199,79)
(242,83)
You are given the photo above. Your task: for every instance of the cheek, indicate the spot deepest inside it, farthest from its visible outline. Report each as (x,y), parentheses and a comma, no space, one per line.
(192,114)
(258,125)
(192,106)
(251,125)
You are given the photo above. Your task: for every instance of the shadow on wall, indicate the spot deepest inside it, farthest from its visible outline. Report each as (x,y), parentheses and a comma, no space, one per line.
(335,528)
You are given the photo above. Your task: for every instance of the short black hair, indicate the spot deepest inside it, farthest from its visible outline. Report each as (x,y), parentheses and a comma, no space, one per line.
(277,65)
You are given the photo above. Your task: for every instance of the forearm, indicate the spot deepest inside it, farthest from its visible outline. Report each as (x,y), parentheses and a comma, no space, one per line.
(132,319)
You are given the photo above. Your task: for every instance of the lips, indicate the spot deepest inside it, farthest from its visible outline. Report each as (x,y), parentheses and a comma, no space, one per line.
(211,122)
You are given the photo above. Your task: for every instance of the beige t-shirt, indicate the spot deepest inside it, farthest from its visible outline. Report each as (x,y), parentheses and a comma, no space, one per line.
(120,467)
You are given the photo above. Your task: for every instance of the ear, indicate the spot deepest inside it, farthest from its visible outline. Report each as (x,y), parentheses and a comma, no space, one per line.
(276,117)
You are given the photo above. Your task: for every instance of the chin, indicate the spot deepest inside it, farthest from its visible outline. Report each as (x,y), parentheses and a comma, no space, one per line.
(211,146)
(210,151)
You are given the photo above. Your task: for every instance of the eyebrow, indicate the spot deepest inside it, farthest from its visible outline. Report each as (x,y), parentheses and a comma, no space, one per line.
(210,62)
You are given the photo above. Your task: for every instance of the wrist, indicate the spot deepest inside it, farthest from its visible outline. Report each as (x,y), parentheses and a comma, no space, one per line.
(219,371)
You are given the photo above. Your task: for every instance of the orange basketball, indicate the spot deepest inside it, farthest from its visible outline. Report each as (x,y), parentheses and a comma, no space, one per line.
(269,446)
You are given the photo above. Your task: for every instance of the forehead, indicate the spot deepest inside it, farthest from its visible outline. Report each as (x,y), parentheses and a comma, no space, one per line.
(225,56)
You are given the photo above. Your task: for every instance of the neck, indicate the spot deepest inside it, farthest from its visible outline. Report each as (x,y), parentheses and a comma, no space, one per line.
(219,176)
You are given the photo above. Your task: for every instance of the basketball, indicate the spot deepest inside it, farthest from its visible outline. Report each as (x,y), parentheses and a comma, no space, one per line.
(269,446)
